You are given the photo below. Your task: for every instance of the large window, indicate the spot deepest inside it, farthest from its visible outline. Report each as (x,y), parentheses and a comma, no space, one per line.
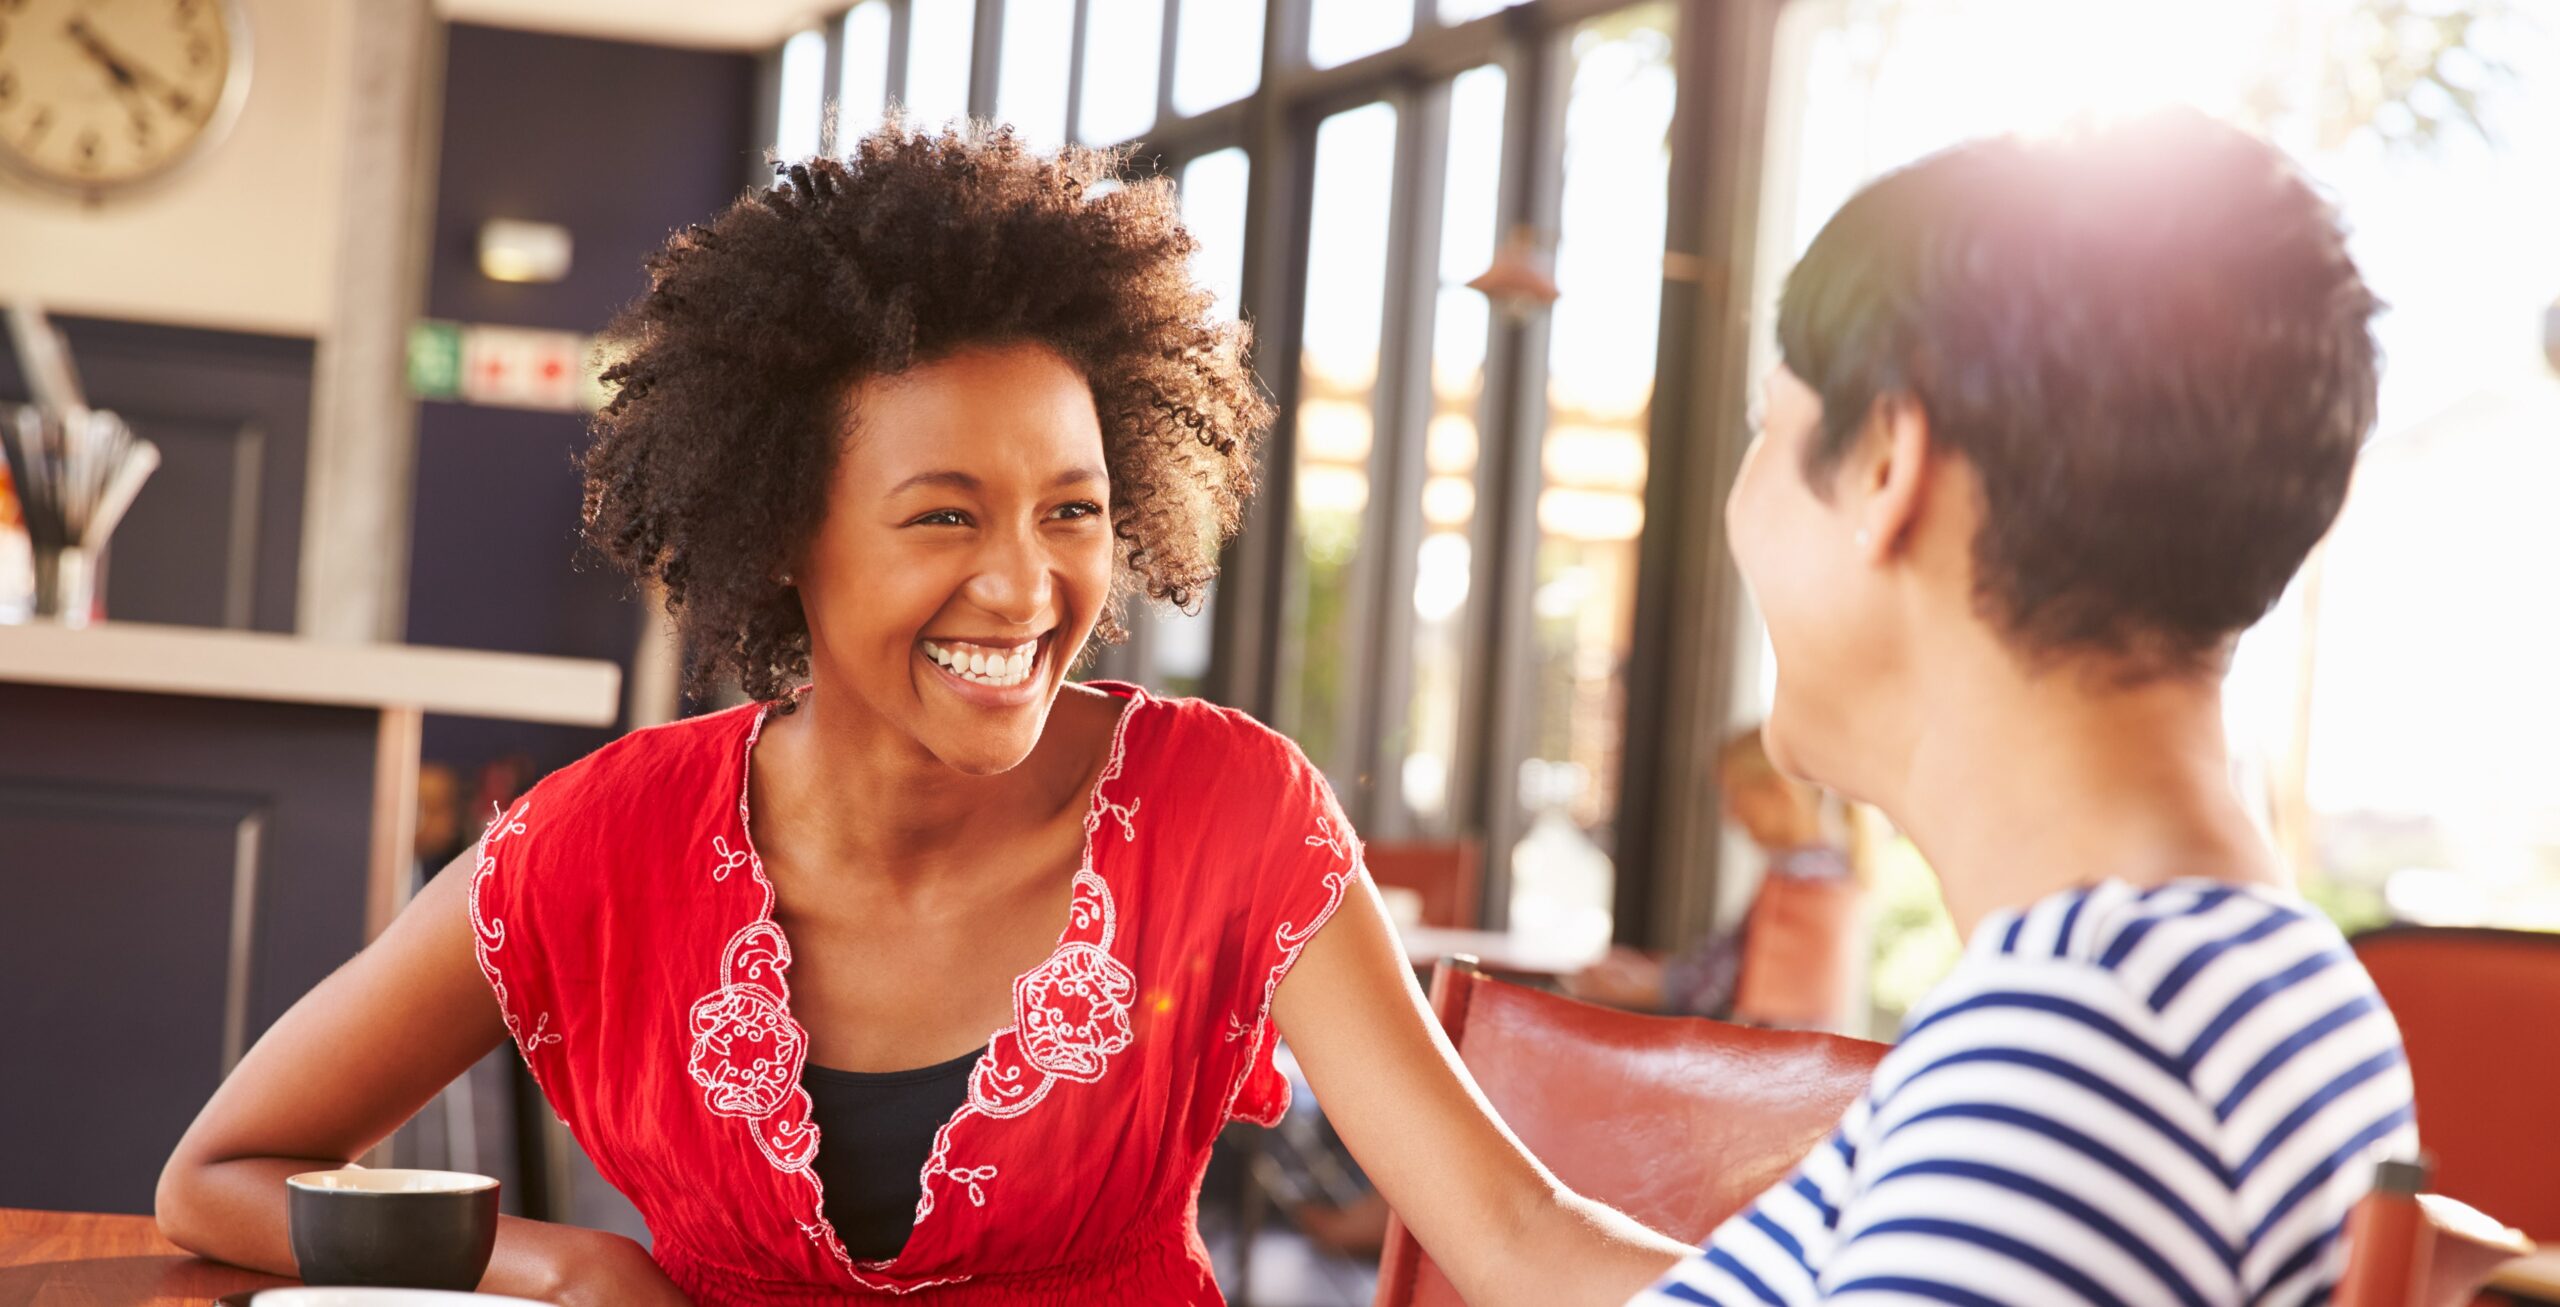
(1435,597)
(1219,56)
(1444,563)
(1213,199)
(1031,86)
(862,91)
(2392,717)
(802,90)
(1339,31)
(1337,430)
(940,51)
(1123,41)
(1600,366)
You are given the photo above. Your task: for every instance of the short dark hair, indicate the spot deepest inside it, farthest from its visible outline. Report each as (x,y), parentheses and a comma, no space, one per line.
(710,465)
(2147,339)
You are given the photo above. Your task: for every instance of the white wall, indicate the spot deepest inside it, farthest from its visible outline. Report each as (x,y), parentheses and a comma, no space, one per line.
(242,238)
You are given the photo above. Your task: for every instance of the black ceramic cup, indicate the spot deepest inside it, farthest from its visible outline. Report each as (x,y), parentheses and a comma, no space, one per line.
(393,1228)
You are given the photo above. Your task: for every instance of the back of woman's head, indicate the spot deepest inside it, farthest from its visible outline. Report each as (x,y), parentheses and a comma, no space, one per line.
(2149,342)
(711,463)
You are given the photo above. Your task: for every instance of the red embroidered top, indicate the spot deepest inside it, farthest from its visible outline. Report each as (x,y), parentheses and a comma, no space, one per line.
(626,927)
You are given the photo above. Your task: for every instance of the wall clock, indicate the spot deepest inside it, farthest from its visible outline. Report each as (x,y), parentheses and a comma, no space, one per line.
(98,96)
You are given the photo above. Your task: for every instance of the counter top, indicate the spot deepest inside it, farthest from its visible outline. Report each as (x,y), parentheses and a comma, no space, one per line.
(224,664)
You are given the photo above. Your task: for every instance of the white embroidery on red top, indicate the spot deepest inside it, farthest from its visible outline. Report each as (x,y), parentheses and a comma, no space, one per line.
(1292,939)
(730,859)
(489,934)
(1070,1013)
(749,1052)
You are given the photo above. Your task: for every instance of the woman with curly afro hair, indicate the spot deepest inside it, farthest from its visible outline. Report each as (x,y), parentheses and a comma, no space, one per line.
(898,438)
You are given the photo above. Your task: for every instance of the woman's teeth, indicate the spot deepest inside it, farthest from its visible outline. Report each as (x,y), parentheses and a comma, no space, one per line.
(986,665)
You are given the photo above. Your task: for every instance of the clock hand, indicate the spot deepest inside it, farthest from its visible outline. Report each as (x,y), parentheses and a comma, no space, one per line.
(136,106)
(117,69)
(124,70)
(119,74)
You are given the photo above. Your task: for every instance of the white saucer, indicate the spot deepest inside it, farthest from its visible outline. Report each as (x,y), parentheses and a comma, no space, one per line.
(307,1297)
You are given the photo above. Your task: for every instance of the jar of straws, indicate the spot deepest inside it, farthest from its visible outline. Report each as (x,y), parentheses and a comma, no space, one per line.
(74,472)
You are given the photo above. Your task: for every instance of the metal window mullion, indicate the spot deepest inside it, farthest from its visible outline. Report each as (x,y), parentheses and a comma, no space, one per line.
(1247,623)
(1537,87)
(1364,648)
(1471,809)
(830,81)
(1076,69)
(1170,33)
(1202,132)
(893,82)
(1287,22)
(1688,596)
(1671,459)
(768,117)
(986,56)
(1433,52)
(1404,415)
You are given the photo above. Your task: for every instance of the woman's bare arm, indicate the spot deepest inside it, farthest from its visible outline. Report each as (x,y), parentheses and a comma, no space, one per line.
(342,1069)
(1502,1227)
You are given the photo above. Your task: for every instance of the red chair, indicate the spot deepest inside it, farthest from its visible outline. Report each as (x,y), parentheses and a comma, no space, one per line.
(1804,955)
(2411,1249)
(1676,1121)
(2478,1010)
(1449,875)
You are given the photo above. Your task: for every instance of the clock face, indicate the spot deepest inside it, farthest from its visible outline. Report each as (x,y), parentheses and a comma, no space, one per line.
(96,94)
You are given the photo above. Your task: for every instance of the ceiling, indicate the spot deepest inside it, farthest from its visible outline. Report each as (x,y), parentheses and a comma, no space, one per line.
(712,24)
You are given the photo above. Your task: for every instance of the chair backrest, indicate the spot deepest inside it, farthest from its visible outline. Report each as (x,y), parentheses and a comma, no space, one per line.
(1676,1121)
(1804,955)
(2476,1010)
(2408,1249)
(1449,875)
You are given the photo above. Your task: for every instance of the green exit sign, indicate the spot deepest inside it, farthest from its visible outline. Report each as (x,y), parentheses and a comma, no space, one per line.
(435,360)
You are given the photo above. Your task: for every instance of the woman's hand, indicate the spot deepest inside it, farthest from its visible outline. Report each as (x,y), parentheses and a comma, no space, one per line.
(1496,1221)
(335,1075)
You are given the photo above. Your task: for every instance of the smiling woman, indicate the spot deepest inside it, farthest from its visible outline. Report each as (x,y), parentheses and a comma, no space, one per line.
(966,554)
(750,354)
(930,969)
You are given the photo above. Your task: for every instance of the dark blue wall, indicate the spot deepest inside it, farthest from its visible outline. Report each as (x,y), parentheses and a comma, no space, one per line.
(622,144)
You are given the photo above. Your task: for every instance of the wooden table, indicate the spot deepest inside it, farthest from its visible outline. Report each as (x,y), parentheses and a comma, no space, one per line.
(1498,950)
(79,1259)
(75,1259)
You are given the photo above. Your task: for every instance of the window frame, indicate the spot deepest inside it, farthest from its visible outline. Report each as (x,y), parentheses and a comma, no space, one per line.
(1687,609)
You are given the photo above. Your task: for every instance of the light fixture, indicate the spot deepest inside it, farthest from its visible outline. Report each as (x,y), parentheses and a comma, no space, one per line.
(1518,282)
(512,250)
(2551,334)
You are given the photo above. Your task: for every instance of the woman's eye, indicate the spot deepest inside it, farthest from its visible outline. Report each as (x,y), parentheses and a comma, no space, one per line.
(1080,508)
(942,517)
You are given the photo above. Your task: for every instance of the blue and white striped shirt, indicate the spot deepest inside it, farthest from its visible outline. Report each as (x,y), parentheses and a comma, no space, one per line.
(2118,1096)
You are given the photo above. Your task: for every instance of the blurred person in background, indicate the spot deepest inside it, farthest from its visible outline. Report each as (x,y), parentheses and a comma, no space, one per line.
(1796,960)
(441,834)
(898,436)
(2055,421)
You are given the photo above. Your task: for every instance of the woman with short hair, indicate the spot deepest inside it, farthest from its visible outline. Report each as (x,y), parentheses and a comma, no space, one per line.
(2055,422)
